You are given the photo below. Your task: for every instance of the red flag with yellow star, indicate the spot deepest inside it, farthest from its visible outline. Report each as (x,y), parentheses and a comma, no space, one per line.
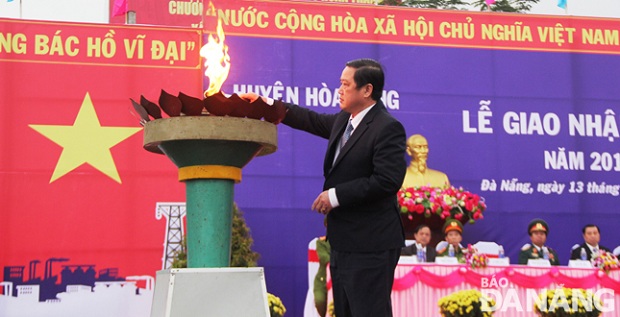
(76,183)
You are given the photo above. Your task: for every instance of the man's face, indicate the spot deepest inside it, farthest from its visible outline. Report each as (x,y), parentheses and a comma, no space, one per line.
(423,236)
(538,238)
(352,99)
(418,148)
(454,237)
(592,236)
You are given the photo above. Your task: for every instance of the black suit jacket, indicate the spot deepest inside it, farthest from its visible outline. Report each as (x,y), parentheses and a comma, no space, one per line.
(367,174)
(576,254)
(413,250)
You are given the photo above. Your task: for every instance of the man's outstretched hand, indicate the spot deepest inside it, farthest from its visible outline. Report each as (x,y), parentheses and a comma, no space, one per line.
(250,97)
(275,110)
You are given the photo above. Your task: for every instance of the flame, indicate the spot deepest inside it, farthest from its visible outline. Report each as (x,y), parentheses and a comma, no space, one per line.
(217,60)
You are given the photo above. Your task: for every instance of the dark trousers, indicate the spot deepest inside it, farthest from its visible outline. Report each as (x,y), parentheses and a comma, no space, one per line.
(362,282)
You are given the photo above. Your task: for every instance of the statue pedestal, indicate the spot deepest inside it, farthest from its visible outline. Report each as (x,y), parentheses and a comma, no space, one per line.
(222,292)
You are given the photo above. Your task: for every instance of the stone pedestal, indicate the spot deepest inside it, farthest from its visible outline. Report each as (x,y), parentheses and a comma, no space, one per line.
(221,292)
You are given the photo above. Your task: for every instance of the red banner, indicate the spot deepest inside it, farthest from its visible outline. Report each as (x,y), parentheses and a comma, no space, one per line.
(76,183)
(163,12)
(186,13)
(97,44)
(406,26)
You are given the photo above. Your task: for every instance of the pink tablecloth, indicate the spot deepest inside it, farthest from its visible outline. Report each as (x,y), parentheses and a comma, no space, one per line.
(418,287)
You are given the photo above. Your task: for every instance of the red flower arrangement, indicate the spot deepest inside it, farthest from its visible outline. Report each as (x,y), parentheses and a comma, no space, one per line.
(475,259)
(605,261)
(450,202)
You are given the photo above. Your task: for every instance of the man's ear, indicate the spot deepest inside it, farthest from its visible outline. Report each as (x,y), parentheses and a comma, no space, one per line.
(368,90)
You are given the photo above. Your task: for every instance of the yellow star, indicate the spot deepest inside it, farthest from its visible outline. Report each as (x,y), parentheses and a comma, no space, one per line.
(86,141)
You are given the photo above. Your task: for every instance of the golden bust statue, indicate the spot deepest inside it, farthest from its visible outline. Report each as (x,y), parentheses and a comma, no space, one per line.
(418,173)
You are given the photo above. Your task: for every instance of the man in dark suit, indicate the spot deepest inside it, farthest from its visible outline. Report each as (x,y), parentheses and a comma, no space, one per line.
(364,168)
(591,236)
(422,235)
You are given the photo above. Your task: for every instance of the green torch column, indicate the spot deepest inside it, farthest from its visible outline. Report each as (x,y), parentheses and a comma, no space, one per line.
(209,153)
(210,193)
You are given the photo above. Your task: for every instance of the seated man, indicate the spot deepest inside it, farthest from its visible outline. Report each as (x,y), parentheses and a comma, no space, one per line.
(538,230)
(453,230)
(591,236)
(422,235)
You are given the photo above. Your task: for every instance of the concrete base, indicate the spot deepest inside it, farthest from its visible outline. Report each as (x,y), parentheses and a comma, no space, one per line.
(217,292)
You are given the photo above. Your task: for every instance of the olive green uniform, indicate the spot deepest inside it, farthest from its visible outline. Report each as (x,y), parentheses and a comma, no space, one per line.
(530,252)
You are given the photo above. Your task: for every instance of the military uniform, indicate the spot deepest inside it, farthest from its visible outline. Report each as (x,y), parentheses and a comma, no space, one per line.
(530,251)
(323,250)
(443,246)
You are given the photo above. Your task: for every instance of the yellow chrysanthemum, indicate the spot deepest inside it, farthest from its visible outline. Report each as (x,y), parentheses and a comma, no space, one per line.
(464,303)
(276,307)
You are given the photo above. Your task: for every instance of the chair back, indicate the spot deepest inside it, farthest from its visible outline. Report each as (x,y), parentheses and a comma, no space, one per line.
(487,247)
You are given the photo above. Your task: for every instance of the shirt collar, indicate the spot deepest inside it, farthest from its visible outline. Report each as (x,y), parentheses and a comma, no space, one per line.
(359,117)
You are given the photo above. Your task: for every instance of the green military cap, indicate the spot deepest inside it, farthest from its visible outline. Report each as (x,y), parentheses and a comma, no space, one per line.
(451,225)
(538,225)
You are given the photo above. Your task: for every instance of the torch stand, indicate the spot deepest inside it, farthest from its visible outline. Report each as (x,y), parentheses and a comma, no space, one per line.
(210,152)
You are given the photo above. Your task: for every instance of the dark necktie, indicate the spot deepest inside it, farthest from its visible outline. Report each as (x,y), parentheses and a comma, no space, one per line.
(346,135)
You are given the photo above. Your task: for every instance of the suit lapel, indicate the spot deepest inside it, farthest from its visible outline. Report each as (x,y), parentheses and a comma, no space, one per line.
(355,136)
(338,130)
(357,133)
